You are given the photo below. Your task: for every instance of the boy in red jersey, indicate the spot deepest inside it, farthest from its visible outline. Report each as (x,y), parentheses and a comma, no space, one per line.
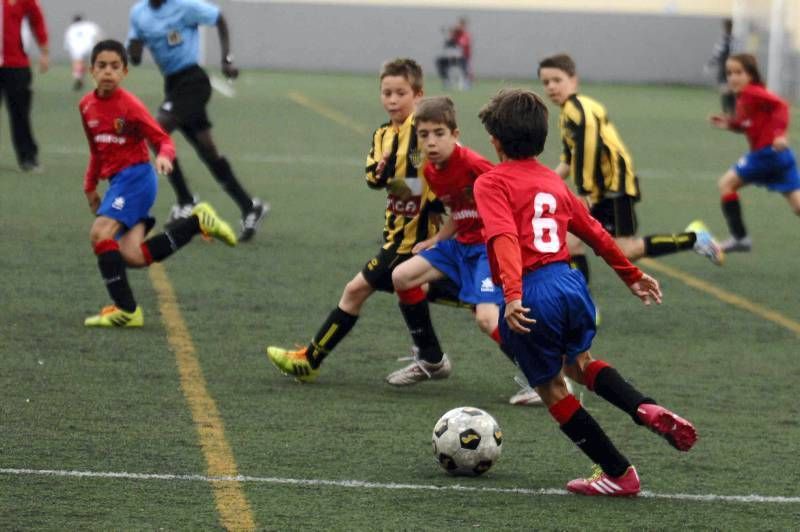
(764,118)
(117,125)
(456,252)
(548,323)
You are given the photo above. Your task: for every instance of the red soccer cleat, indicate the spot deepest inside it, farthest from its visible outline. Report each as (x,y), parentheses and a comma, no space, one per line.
(676,430)
(602,484)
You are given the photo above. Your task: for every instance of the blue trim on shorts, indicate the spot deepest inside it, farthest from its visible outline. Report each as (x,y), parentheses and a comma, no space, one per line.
(565,322)
(130,195)
(775,170)
(467,265)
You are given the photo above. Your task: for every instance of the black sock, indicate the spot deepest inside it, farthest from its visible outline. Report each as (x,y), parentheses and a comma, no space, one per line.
(418,320)
(580,263)
(329,335)
(224,174)
(732,210)
(590,438)
(610,385)
(656,245)
(176,235)
(178,182)
(113,271)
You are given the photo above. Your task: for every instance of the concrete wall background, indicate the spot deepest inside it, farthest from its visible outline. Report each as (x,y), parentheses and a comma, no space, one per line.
(507,43)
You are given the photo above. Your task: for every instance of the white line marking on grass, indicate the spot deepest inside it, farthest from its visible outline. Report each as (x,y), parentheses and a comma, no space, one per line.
(753,498)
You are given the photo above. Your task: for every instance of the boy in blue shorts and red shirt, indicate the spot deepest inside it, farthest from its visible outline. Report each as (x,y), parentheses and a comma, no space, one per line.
(549,317)
(117,126)
(764,118)
(456,252)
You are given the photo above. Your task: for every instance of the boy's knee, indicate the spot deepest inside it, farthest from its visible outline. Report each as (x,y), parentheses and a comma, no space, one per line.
(486,322)
(400,279)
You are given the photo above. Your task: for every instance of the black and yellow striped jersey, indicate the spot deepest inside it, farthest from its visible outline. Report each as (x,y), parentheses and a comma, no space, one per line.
(599,161)
(407,220)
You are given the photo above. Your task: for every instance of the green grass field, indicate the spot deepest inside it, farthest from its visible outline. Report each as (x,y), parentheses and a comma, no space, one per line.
(111,401)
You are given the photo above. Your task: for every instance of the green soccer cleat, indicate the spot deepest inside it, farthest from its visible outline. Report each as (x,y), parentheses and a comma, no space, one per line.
(705,244)
(211,225)
(111,316)
(293,363)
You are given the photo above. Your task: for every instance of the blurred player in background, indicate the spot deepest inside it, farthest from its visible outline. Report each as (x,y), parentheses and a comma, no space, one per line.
(764,118)
(15,75)
(169,28)
(549,318)
(118,127)
(79,39)
(394,164)
(722,50)
(594,154)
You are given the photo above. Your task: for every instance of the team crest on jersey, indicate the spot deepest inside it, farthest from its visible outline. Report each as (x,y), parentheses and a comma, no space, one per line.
(415,158)
(174,38)
(119,125)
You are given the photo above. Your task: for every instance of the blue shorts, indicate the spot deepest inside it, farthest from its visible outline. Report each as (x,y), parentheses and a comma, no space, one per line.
(467,265)
(565,322)
(130,195)
(775,170)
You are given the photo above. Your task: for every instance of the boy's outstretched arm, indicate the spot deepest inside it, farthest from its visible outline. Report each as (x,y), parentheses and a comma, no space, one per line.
(230,71)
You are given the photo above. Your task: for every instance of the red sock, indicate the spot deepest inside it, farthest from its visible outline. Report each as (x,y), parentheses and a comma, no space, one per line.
(591,371)
(496,335)
(563,410)
(731,196)
(412,296)
(148,258)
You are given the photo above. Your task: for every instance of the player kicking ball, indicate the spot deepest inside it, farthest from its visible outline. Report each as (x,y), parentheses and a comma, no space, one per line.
(118,127)
(549,317)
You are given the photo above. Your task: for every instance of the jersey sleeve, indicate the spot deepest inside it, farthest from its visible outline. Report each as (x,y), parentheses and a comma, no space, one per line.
(494,208)
(201,13)
(588,229)
(373,158)
(38,25)
(479,164)
(92,175)
(152,130)
(583,160)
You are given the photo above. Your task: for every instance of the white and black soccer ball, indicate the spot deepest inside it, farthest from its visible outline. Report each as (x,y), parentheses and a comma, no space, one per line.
(467,441)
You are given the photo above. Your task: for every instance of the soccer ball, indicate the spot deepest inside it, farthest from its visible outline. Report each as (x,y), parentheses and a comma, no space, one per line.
(467,441)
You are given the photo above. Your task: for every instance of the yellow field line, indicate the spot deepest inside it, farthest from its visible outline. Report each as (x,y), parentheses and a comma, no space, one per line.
(232,506)
(725,296)
(328,112)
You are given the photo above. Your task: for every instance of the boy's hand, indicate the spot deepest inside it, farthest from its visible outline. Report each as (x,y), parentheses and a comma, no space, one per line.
(399,189)
(163,165)
(94,201)
(419,247)
(229,71)
(382,165)
(647,289)
(719,121)
(517,317)
(780,143)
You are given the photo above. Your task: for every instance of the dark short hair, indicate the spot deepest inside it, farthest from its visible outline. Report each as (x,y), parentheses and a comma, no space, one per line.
(750,65)
(517,118)
(110,45)
(405,68)
(437,109)
(560,61)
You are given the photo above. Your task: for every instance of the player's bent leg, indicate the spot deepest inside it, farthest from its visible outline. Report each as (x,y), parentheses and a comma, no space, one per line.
(729,185)
(414,272)
(130,246)
(632,247)
(487,316)
(103,228)
(355,294)
(793,198)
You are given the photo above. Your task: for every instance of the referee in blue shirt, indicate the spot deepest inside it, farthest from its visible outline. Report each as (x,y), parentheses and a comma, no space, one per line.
(170,29)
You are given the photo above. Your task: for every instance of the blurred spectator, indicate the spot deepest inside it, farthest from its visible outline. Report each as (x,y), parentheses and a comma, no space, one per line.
(15,75)
(79,39)
(722,50)
(454,63)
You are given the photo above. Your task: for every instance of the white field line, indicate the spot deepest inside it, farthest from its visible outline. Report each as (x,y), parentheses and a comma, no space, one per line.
(360,484)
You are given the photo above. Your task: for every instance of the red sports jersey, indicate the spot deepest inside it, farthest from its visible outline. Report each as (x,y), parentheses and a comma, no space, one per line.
(453,185)
(527,201)
(12,54)
(761,115)
(117,128)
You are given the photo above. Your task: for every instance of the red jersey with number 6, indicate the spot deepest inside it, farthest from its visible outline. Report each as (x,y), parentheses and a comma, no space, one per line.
(527,200)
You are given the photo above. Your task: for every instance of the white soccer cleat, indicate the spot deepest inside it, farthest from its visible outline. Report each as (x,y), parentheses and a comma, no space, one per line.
(705,244)
(526,396)
(419,371)
(737,244)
